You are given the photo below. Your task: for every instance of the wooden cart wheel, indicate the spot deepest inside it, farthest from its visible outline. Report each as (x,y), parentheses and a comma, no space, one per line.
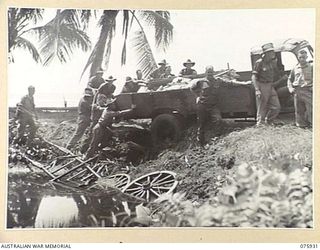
(119,181)
(151,186)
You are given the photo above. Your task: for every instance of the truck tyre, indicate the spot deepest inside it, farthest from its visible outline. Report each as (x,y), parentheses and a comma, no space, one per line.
(165,128)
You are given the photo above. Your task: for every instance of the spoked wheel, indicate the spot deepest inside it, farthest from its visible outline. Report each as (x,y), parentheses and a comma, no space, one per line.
(151,186)
(119,181)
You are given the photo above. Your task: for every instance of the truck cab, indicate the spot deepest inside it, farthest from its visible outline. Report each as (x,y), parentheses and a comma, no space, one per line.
(286,52)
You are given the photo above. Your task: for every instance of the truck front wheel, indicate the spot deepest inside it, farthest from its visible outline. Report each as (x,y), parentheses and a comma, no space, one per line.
(166,128)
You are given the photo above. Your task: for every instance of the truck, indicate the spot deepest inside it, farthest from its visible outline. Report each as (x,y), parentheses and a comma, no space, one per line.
(171,109)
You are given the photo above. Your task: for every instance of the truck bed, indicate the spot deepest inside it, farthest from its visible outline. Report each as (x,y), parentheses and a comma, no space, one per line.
(236,101)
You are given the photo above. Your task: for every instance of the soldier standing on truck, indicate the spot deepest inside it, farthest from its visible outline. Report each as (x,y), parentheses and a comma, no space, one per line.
(159,71)
(130,86)
(300,83)
(25,115)
(188,71)
(268,105)
(102,130)
(139,75)
(167,73)
(84,111)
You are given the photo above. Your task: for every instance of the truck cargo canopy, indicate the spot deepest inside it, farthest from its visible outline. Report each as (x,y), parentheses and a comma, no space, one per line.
(290,44)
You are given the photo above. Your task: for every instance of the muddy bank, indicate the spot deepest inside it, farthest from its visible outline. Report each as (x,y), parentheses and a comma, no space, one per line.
(245,176)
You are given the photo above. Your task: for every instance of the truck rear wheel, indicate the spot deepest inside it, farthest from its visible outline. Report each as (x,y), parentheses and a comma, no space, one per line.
(166,128)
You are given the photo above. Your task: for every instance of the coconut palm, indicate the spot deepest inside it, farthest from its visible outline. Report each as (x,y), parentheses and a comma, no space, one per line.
(159,20)
(18,22)
(58,38)
(67,31)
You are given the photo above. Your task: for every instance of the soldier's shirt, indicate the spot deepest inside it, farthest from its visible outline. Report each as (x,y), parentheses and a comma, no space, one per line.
(302,76)
(84,108)
(107,117)
(96,112)
(157,73)
(107,89)
(27,104)
(95,82)
(187,72)
(264,71)
(130,87)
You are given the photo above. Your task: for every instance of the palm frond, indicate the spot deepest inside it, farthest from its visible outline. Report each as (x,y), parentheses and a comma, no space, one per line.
(160,20)
(61,36)
(23,43)
(70,16)
(61,41)
(146,60)
(19,19)
(30,14)
(85,16)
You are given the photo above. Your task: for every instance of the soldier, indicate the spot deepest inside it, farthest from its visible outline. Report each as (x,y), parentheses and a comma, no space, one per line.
(268,105)
(207,91)
(130,86)
(96,80)
(139,75)
(202,91)
(167,73)
(300,83)
(98,106)
(84,111)
(214,84)
(107,88)
(159,71)
(102,130)
(25,114)
(188,71)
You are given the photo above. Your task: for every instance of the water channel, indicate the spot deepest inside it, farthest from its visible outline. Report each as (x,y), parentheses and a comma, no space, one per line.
(33,202)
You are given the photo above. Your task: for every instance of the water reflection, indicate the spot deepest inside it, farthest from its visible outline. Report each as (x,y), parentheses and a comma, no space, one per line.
(36,205)
(55,211)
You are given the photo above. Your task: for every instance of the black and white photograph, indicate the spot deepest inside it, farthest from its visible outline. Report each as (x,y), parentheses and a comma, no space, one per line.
(160,118)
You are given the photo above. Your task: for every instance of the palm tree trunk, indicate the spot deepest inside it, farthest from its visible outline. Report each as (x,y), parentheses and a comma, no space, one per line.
(107,22)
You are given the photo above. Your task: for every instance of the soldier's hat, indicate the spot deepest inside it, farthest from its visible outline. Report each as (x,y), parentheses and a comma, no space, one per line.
(199,83)
(163,62)
(209,69)
(267,47)
(129,79)
(110,79)
(189,62)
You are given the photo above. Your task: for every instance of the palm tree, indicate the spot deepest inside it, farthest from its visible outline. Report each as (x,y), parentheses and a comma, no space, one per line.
(67,31)
(18,22)
(58,38)
(159,20)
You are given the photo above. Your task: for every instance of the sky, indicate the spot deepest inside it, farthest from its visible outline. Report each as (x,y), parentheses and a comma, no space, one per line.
(215,37)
